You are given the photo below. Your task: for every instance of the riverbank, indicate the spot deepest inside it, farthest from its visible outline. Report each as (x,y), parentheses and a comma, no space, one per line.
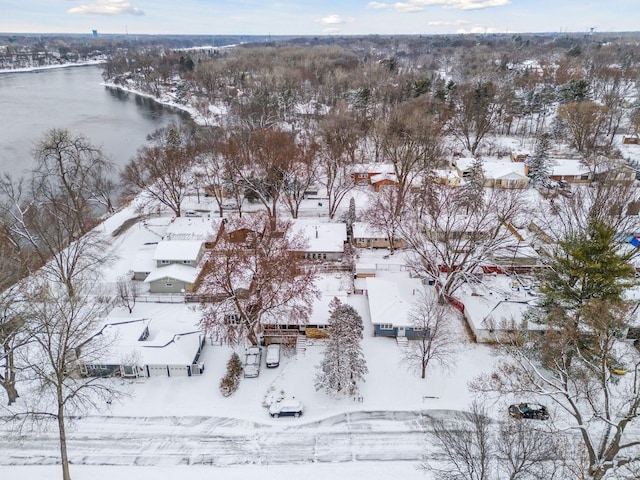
(52,67)
(169,100)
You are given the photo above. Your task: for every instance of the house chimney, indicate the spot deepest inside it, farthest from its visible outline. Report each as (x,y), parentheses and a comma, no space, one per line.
(316,232)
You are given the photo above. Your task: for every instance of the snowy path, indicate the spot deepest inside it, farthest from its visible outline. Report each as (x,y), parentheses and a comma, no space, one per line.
(170,441)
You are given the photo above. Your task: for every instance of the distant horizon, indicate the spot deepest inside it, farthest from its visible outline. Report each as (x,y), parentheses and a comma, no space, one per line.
(313,18)
(325,35)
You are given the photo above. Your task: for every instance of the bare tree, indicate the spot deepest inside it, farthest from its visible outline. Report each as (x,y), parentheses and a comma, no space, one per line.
(62,326)
(466,446)
(266,158)
(255,273)
(525,452)
(574,369)
(163,171)
(128,291)
(383,215)
(436,341)
(50,232)
(300,176)
(448,243)
(411,142)
(609,202)
(13,337)
(72,174)
(339,143)
(475,113)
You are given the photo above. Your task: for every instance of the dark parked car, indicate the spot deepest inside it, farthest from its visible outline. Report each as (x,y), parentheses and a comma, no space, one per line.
(529,410)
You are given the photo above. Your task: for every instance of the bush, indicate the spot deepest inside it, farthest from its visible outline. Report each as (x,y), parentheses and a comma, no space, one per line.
(230,382)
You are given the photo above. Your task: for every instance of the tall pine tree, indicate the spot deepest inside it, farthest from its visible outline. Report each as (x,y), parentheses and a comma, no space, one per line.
(539,168)
(343,365)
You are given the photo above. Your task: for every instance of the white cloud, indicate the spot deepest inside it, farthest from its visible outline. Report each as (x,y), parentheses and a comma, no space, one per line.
(445,23)
(408,7)
(332,20)
(478,29)
(418,5)
(106,7)
(335,20)
(378,5)
(477,4)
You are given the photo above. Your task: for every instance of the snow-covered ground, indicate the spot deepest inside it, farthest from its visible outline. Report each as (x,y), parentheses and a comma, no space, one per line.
(183,426)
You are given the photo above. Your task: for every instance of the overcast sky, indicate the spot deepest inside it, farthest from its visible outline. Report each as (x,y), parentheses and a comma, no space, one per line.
(316,17)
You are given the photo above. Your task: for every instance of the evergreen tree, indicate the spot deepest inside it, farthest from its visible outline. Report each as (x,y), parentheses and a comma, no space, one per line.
(343,364)
(472,192)
(539,168)
(585,266)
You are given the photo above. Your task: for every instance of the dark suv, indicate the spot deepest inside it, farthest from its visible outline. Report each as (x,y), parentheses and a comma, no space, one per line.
(529,410)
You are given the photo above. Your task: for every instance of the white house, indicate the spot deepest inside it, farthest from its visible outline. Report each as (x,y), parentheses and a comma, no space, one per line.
(390,302)
(182,252)
(494,308)
(173,278)
(497,174)
(325,241)
(141,347)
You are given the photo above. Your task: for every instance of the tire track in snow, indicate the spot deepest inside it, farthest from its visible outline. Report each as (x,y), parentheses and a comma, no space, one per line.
(163,441)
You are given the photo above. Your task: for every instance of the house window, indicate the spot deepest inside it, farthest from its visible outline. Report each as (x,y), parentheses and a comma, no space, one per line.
(168,285)
(386,326)
(324,256)
(186,262)
(584,177)
(164,262)
(232,318)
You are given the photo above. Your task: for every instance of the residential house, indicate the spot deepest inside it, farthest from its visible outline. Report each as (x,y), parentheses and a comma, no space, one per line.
(325,241)
(519,156)
(367,236)
(381,180)
(390,302)
(173,278)
(570,170)
(182,252)
(494,307)
(497,174)
(363,173)
(615,172)
(140,348)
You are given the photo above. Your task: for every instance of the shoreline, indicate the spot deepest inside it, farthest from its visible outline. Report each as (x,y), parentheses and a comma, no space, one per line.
(52,67)
(193,113)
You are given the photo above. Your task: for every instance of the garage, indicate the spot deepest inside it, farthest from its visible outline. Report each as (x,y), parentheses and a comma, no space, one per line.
(178,370)
(157,370)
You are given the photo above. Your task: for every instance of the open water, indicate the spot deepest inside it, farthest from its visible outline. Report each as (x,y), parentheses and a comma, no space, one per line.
(72,98)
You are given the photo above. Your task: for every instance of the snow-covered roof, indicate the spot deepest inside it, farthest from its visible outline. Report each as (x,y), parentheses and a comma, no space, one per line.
(449,174)
(162,348)
(379,177)
(366,230)
(390,301)
(373,168)
(183,273)
(497,300)
(321,237)
(193,228)
(144,260)
(178,250)
(561,167)
(174,336)
(495,168)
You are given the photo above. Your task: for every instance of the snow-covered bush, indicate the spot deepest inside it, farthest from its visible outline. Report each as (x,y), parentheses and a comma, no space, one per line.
(230,382)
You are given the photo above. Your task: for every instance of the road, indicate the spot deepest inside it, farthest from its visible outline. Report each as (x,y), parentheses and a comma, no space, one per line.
(158,441)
